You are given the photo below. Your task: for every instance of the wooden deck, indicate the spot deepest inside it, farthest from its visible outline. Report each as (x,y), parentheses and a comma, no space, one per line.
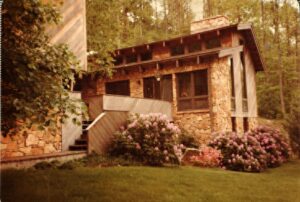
(100,103)
(110,112)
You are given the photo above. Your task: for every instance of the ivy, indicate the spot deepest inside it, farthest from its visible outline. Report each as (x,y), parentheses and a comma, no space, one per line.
(35,73)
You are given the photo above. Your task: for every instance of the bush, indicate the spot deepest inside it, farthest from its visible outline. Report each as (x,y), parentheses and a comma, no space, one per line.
(276,147)
(150,139)
(240,153)
(187,140)
(292,124)
(44,165)
(207,157)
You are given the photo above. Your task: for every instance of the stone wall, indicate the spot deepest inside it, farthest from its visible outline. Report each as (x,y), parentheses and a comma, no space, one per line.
(196,124)
(31,142)
(220,96)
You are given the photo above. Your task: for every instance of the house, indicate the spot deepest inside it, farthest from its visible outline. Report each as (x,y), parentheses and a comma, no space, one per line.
(208,77)
(204,82)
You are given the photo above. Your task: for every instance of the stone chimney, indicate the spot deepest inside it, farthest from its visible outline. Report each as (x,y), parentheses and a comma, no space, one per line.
(208,23)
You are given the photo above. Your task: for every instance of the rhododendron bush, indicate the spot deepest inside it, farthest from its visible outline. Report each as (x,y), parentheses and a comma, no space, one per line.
(151,139)
(205,156)
(240,153)
(276,147)
(254,151)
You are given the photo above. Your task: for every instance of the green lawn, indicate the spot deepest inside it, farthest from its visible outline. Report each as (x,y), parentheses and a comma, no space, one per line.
(135,184)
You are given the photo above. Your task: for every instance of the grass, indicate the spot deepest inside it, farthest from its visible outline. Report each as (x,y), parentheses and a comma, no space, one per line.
(147,184)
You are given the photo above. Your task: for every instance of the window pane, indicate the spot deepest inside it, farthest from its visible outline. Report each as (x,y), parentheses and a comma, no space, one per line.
(201,103)
(185,105)
(117,88)
(200,79)
(151,88)
(184,85)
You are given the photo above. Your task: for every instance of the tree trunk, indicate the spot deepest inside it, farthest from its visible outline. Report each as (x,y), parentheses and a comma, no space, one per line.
(280,68)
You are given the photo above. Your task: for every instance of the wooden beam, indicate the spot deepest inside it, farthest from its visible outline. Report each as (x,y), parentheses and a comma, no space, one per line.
(157,66)
(230,51)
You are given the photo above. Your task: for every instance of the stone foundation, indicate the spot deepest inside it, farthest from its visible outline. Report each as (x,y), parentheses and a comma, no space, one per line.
(31,142)
(196,124)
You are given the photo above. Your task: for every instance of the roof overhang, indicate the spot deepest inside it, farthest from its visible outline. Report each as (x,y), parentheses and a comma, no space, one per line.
(245,29)
(252,45)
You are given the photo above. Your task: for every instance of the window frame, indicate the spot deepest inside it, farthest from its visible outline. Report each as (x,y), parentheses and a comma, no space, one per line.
(116,82)
(192,89)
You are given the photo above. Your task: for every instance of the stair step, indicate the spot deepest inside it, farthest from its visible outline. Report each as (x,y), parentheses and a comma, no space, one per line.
(78,147)
(83,136)
(87,122)
(81,141)
(84,126)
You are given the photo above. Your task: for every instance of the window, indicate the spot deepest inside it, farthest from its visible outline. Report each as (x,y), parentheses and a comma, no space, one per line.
(213,43)
(233,124)
(192,90)
(151,88)
(232,85)
(177,50)
(146,56)
(158,89)
(131,58)
(244,82)
(245,124)
(118,88)
(194,47)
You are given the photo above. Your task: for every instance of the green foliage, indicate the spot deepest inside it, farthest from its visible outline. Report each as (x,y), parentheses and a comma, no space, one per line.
(34,72)
(122,23)
(187,140)
(150,139)
(292,124)
(44,165)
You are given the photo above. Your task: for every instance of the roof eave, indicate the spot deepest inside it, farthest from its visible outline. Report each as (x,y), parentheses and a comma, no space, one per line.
(247,27)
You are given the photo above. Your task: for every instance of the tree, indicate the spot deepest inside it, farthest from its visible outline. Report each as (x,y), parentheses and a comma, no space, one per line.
(35,73)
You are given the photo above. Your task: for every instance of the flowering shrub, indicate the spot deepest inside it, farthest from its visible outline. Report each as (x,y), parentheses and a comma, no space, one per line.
(276,147)
(150,138)
(240,153)
(187,140)
(207,157)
